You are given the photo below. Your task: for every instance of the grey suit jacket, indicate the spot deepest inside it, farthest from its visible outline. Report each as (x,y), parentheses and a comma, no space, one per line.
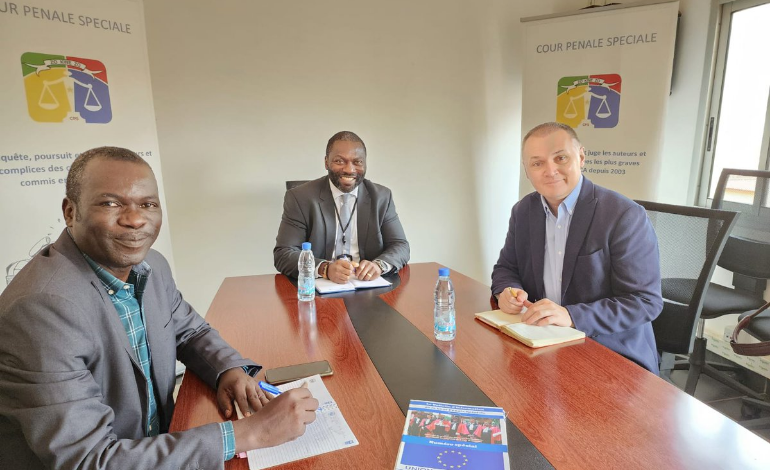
(73,394)
(309,216)
(611,275)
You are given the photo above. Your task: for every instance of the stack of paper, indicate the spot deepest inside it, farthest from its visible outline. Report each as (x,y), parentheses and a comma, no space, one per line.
(329,432)
(531,335)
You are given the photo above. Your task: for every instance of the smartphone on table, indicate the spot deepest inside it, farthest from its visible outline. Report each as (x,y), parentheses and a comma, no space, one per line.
(282,375)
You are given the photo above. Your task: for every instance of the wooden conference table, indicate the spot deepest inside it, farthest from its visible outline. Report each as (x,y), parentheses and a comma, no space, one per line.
(577,405)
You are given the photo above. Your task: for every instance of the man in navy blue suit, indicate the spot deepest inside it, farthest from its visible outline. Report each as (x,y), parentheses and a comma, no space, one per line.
(579,255)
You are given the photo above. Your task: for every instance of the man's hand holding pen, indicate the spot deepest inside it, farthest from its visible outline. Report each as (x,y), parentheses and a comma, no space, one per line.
(540,313)
(344,267)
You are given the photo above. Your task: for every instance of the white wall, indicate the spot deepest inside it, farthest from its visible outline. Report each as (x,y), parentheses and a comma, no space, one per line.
(248,92)
(497,161)
(684,126)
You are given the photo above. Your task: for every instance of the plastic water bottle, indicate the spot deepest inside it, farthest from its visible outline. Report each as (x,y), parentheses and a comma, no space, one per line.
(306,278)
(444,326)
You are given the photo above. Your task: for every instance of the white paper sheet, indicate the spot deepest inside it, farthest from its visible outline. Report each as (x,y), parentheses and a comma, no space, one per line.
(325,286)
(329,432)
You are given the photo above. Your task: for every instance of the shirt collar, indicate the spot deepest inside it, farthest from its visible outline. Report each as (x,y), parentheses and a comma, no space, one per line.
(569,202)
(336,193)
(139,273)
(110,282)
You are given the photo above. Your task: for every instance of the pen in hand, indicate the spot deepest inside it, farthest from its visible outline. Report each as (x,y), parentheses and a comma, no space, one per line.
(514,293)
(273,389)
(269,388)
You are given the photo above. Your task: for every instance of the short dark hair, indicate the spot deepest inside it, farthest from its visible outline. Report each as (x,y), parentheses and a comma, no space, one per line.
(75,175)
(345,136)
(548,127)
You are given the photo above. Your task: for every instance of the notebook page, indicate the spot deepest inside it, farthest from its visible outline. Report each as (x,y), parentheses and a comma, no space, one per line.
(325,286)
(329,432)
(498,318)
(379,282)
(544,335)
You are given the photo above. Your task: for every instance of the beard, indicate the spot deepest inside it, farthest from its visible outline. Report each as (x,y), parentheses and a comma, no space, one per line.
(336,179)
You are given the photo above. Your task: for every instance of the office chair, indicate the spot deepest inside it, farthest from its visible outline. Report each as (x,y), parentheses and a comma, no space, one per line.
(294,184)
(747,255)
(690,240)
(759,328)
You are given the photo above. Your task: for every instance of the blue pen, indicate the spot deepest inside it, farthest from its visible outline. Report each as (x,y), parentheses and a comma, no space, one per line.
(269,388)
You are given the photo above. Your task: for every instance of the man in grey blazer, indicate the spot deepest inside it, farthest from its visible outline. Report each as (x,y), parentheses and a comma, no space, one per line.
(578,254)
(89,333)
(351,223)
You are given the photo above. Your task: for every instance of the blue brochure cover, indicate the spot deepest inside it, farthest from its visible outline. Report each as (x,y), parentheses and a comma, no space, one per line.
(442,436)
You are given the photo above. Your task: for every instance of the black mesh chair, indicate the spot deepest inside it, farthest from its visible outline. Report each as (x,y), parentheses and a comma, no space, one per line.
(294,184)
(747,256)
(690,240)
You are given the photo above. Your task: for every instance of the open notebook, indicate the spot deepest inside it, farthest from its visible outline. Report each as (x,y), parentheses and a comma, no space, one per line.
(325,286)
(329,432)
(531,335)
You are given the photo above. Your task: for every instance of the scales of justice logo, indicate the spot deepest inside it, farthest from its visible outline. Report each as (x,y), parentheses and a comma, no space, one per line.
(589,101)
(64,88)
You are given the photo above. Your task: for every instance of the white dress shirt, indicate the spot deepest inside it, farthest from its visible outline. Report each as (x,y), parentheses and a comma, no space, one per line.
(355,253)
(337,195)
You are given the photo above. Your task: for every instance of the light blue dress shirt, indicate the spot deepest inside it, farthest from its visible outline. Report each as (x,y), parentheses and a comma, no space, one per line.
(556,232)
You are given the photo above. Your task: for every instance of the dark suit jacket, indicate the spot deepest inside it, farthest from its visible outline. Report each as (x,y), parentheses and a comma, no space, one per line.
(73,394)
(309,216)
(611,274)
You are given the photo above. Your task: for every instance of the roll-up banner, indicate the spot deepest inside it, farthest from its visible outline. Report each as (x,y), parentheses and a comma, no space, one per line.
(73,75)
(607,74)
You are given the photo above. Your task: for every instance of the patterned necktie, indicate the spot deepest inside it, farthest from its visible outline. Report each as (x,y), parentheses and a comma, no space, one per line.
(343,238)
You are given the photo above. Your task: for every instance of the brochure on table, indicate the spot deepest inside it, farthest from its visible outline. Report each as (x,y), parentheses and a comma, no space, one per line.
(445,436)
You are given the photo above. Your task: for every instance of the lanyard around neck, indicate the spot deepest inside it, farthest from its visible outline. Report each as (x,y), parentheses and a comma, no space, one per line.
(339,219)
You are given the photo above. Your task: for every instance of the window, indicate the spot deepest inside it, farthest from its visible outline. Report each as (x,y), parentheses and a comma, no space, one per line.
(738,135)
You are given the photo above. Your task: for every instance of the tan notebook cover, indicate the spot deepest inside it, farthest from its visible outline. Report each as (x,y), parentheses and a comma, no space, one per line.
(531,335)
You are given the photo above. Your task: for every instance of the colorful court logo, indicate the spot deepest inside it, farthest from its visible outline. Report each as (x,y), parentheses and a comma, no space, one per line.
(65,88)
(589,101)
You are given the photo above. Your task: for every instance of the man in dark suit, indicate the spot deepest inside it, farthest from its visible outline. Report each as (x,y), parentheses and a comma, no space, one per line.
(578,254)
(350,222)
(89,333)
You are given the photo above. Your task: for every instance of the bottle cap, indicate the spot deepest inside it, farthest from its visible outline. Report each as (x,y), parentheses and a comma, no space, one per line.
(306,245)
(443,272)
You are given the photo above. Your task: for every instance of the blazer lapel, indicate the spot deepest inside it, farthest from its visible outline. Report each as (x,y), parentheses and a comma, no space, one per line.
(115,323)
(362,218)
(118,330)
(537,242)
(155,322)
(578,229)
(328,213)
(67,247)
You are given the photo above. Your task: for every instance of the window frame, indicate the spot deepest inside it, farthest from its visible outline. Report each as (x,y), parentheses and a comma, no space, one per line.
(723,28)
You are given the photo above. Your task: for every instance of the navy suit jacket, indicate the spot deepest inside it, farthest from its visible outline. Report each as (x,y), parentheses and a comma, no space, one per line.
(611,273)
